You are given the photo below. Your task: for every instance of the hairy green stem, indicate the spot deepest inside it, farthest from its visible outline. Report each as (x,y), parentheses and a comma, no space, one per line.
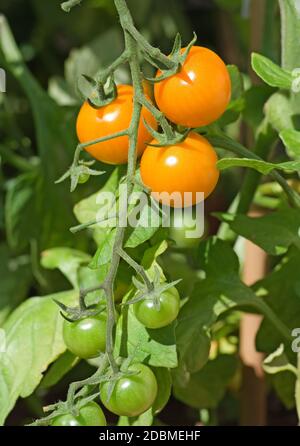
(158,115)
(137,267)
(132,51)
(104,74)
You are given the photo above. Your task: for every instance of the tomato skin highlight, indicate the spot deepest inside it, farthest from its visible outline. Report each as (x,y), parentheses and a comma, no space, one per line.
(186,167)
(89,415)
(150,317)
(95,123)
(132,394)
(199,94)
(86,338)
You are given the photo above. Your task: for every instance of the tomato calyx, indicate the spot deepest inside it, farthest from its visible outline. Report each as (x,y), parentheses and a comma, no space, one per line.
(78,172)
(72,314)
(99,94)
(167,139)
(177,57)
(158,288)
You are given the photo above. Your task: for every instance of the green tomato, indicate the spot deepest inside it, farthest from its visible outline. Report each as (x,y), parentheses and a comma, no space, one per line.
(164,382)
(83,178)
(89,415)
(86,338)
(132,394)
(147,313)
(180,231)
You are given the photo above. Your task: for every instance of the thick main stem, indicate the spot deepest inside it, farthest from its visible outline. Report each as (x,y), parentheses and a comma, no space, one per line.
(132,52)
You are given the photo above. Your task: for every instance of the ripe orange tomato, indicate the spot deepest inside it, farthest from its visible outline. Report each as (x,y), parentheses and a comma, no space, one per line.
(94,123)
(189,166)
(199,94)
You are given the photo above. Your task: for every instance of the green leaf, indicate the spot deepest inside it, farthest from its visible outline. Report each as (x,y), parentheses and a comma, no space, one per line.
(261,166)
(33,341)
(144,230)
(221,291)
(15,279)
(155,347)
(206,388)
(61,92)
(291,140)
(271,73)
(105,251)
(22,209)
(274,232)
(95,56)
(86,210)
(278,362)
(284,385)
(55,138)
(93,207)
(279,112)
(255,98)
(59,369)
(67,260)
(281,289)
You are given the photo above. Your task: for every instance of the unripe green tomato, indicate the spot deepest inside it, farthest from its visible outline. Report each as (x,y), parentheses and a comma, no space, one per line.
(147,313)
(164,382)
(180,229)
(86,338)
(132,394)
(89,415)
(83,178)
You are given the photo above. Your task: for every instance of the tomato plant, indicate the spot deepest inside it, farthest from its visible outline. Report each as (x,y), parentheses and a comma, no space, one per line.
(89,415)
(133,394)
(158,314)
(168,282)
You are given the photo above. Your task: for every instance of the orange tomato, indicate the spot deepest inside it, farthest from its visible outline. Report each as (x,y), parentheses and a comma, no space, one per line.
(95,123)
(182,169)
(199,94)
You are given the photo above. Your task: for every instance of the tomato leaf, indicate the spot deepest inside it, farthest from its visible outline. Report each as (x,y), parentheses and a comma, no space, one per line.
(271,73)
(261,166)
(206,388)
(279,112)
(67,260)
(155,347)
(33,341)
(104,252)
(282,293)
(15,278)
(59,369)
(274,232)
(291,140)
(221,291)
